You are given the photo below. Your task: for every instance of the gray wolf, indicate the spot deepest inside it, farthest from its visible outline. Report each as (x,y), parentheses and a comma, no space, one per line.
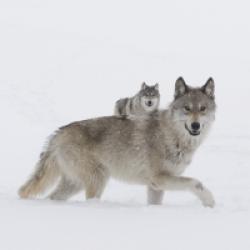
(152,150)
(145,101)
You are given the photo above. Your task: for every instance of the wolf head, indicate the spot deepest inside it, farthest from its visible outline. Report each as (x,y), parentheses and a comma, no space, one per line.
(193,109)
(149,97)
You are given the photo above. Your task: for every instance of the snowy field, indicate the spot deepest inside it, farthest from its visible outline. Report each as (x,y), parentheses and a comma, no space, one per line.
(62,61)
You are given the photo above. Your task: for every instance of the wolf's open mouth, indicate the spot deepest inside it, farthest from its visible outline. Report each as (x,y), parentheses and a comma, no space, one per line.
(193,133)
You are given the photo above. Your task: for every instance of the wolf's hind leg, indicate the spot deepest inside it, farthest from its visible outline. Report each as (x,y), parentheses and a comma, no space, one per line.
(96,182)
(65,189)
(155,197)
(167,182)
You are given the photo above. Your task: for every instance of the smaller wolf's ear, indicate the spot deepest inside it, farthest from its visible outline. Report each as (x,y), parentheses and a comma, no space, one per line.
(143,86)
(208,88)
(156,86)
(180,88)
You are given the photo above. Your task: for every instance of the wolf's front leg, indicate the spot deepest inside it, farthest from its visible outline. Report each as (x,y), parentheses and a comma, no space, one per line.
(168,182)
(155,197)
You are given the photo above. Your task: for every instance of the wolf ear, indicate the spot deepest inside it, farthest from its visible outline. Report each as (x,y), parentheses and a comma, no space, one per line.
(208,88)
(180,88)
(143,86)
(156,86)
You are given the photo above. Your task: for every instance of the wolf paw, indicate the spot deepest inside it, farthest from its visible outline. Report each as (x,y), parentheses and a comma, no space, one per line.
(204,195)
(207,198)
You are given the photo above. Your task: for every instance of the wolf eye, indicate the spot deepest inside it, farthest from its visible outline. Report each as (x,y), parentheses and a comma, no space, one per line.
(203,108)
(187,108)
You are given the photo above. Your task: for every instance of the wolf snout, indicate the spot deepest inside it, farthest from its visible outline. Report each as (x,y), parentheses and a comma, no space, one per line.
(195,126)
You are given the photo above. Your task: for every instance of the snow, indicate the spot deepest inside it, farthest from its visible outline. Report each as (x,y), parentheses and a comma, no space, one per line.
(62,61)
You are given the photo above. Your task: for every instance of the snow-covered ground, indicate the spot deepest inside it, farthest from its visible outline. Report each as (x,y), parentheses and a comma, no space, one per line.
(62,61)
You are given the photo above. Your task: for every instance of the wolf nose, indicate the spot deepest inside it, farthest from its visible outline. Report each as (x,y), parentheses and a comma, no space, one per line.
(149,103)
(195,125)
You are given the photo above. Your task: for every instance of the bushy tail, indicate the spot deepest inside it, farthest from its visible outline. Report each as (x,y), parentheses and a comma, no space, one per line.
(45,174)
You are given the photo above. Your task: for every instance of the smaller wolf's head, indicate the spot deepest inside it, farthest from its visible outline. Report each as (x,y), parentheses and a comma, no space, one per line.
(193,109)
(149,97)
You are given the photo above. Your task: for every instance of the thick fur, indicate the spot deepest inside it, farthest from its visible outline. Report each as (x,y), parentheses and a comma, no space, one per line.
(144,102)
(151,150)
(138,105)
(44,176)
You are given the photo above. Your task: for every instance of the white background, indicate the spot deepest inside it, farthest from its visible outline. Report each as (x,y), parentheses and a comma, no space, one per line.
(62,61)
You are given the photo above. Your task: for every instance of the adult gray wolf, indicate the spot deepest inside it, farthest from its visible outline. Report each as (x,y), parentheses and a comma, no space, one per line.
(151,150)
(145,101)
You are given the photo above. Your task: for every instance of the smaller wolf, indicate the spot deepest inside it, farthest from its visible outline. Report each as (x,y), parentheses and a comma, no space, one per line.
(144,102)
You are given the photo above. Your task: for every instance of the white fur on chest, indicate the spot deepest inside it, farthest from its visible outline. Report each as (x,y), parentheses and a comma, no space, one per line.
(178,163)
(178,157)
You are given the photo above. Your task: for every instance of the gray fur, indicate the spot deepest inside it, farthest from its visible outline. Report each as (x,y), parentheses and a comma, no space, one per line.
(65,189)
(145,101)
(151,150)
(155,197)
(137,105)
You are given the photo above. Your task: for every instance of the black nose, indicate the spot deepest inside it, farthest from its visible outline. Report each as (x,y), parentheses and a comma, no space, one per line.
(149,103)
(195,125)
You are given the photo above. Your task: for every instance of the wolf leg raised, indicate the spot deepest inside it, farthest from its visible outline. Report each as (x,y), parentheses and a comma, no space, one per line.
(167,182)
